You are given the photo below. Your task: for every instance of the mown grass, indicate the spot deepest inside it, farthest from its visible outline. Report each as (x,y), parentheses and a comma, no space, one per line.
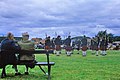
(75,67)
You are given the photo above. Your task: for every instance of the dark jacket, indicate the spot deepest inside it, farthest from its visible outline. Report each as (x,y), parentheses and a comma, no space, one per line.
(58,41)
(67,42)
(84,42)
(47,42)
(8,50)
(103,44)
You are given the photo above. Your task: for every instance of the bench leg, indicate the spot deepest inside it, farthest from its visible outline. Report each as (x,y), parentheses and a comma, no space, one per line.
(42,69)
(3,72)
(49,70)
(26,68)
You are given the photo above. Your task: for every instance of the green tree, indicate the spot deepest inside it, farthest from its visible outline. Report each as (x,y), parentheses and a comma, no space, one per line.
(109,37)
(102,34)
(116,38)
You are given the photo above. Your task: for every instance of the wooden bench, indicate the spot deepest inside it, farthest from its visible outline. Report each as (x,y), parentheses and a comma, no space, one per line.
(47,63)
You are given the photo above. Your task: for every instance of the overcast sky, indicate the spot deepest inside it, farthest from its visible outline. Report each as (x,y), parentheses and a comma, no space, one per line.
(77,17)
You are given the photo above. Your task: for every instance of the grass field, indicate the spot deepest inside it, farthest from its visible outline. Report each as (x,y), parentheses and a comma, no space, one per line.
(75,67)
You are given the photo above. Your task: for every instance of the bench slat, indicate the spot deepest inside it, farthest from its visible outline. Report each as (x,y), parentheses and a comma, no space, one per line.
(45,63)
(38,63)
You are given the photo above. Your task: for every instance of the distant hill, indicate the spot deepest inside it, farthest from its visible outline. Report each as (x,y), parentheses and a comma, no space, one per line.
(79,37)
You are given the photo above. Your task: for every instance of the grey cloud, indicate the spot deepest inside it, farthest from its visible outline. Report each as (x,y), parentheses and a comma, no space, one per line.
(59,13)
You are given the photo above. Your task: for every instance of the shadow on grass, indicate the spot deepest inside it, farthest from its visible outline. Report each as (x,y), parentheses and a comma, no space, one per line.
(25,77)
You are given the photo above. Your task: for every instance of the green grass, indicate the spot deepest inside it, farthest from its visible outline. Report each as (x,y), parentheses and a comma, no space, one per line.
(75,67)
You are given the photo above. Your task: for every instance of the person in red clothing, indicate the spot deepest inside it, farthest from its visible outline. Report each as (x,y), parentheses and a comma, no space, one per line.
(68,46)
(84,45)
(58,43)
(48,43)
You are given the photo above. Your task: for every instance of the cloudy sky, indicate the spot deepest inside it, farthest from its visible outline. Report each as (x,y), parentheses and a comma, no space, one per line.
(61,17)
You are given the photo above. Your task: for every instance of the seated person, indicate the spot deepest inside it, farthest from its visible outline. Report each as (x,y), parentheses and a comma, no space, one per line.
(26,44)
(9,57)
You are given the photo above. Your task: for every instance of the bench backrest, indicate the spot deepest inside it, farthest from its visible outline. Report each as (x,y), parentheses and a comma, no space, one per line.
(47,52)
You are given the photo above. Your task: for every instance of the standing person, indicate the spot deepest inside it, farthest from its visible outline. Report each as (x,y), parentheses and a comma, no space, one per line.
(106,44)
(8,49)
(27,44)
(73,45)
(68,46)
(53,44)
(78,44)
(95,45)
(92,45)
(84,45)
(47,43)
(103,46)
(58,43)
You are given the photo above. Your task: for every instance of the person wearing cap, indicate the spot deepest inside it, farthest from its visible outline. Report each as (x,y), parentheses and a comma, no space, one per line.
(84,45)
(10,45)
(78,44)
(53,44)
(94,45)
(58,43)
(68,46)
(103,46)
(47,43)
(27,44)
